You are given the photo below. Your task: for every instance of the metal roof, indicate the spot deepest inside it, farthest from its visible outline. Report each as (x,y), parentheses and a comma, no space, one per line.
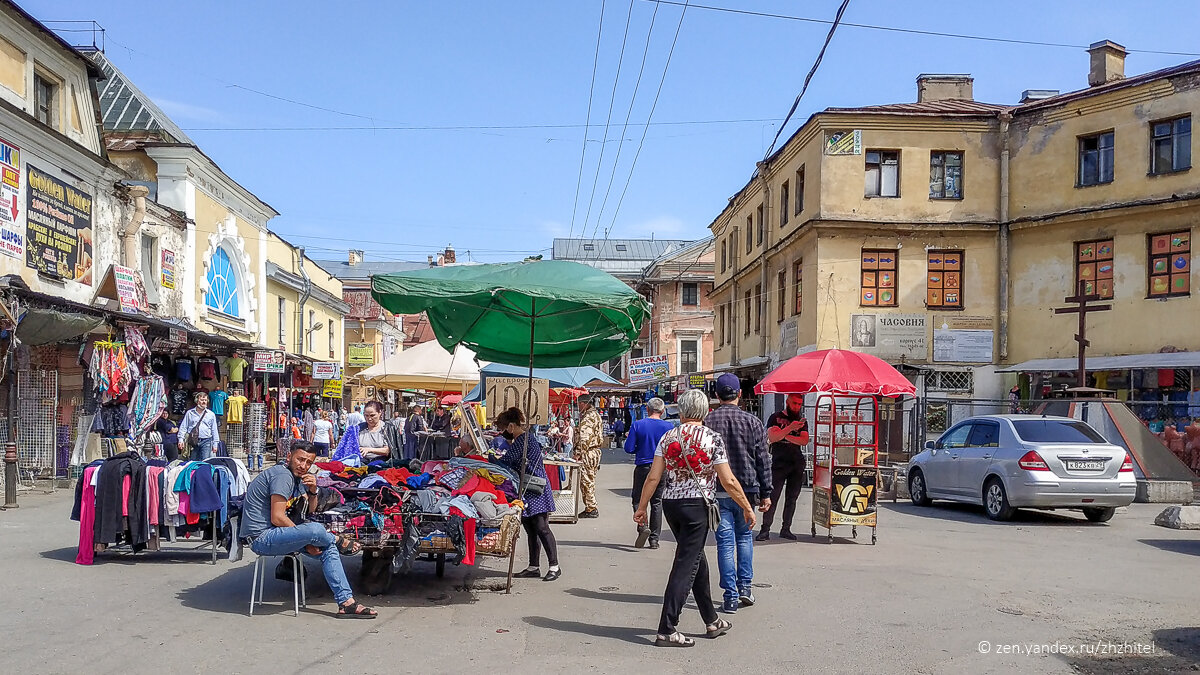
(342,269)
(939,108)
(124,107)
(589,251)
(1125,362)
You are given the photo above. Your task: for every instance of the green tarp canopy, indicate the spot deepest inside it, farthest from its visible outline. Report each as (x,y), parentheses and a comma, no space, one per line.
(578,315)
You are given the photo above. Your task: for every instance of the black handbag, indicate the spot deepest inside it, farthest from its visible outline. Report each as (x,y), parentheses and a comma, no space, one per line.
(714,511)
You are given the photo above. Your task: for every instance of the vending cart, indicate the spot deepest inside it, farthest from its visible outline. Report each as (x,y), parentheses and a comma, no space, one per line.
(845,463)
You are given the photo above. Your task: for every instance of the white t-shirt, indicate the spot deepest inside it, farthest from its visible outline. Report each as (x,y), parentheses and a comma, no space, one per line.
(702,449)
(322,431)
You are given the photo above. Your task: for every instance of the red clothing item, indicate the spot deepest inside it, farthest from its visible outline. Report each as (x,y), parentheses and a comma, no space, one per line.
(87,520)
(395,476)
(476,484)
(332,467)
(469,533)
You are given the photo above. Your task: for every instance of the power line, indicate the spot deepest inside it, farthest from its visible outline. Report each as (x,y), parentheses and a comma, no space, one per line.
(608,120)
(588,123)
(808,78)
(486,127)
(912,31)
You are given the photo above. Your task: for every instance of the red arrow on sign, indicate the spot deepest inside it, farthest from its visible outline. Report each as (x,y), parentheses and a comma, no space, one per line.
(13,208)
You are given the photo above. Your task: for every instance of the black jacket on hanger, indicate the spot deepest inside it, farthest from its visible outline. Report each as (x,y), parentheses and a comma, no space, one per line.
(110,522)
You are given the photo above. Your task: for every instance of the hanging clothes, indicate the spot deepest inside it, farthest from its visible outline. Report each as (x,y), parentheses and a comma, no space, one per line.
(145,409)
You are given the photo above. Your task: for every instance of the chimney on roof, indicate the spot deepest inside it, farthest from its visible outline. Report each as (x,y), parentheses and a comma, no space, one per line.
(431,264)
(945,88)
(1107,61)
(449,253)
(1030,95)
(356,257)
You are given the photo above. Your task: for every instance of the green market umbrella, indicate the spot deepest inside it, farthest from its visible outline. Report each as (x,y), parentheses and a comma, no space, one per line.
(546,313)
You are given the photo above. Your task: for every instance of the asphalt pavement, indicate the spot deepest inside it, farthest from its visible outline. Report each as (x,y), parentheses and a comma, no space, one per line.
(944,591)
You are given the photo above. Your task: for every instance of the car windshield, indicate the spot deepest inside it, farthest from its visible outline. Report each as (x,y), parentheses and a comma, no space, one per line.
(1056,431)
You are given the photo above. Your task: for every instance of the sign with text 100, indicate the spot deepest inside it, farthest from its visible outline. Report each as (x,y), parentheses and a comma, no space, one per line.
(503,393)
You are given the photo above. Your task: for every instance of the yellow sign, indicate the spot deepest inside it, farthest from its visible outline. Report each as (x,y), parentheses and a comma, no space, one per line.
(360,354)
(332,388)
(507,392)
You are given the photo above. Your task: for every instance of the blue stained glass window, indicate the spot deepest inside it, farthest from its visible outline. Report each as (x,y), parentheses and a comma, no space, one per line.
(222,284)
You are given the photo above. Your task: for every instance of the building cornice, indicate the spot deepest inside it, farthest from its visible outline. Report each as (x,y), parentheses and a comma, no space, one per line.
(187,162)
(285,278)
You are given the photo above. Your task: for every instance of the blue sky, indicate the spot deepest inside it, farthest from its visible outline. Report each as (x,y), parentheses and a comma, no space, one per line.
(378,69)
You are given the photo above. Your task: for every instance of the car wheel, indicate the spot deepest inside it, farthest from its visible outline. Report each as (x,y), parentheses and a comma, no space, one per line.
(917,490)
(995,500)
(1099,514)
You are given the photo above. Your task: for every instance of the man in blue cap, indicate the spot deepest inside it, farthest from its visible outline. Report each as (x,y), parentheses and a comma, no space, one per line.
(746,445)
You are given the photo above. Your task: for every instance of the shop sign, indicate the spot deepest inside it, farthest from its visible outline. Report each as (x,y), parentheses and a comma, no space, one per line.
(333,387)
(503,393)
(58,228)
(646,368)
(268,361)
(843,142)
(325,370)
(12,235)
(168,269)
(890,336)
(788,339)
(362,305)
(177,335)
(963,339)
(853,499)
(127,289)
(696,381)
(360,354)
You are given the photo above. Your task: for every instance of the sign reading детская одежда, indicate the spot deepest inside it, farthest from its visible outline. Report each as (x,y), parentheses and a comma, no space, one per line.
(644,368)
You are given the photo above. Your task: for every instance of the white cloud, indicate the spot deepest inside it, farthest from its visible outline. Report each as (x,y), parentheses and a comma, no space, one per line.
(189,111)
(553,228)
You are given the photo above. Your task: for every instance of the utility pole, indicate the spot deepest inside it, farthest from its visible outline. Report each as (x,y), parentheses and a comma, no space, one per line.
(1082,307)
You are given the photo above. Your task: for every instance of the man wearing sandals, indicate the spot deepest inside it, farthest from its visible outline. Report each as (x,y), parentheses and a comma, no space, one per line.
(269,529)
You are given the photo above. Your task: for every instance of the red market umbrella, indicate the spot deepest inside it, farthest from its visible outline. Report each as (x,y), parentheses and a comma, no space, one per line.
(452,399)
(835,371)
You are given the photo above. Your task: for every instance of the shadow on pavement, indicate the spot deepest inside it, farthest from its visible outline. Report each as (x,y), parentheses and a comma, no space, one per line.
(124,556)
(970,513)
(1186,546)
(637,636)
(615,597)
(627,548)
(626,493)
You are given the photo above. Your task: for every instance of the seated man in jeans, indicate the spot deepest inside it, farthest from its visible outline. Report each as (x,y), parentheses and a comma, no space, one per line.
(266,525)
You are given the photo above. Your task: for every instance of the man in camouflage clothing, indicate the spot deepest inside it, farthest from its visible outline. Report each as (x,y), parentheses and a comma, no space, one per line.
(589,440)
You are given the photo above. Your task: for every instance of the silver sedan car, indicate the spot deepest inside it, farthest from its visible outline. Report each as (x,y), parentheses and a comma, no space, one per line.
(1007,462)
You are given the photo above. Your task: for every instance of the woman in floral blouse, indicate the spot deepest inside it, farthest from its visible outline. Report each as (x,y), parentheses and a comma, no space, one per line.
(692,458)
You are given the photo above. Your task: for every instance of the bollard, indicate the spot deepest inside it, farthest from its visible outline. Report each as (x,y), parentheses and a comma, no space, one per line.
(10,475)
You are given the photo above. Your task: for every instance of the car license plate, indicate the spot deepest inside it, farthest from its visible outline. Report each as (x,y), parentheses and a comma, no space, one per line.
(1085,465)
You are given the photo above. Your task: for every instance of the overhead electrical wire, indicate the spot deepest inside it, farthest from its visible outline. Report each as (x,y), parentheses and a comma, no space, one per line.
(587,125)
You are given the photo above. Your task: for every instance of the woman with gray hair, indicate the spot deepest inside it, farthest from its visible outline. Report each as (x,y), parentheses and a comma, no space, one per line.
(692,458)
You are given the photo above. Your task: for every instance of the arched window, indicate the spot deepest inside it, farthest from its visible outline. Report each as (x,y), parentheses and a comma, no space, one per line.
(222,284)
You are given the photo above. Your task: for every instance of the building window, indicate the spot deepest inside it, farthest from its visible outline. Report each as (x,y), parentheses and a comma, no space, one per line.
(222,292)
(689,357)
(799,274)
(949,380)
(1096,159)
(282,321)
(879,269)
(943,288)
(1094,268)
(883,173)
(724,257)
(782,294)
(746,329)
(945,175)
(1170,264)
(1171,145)
(759,302)
(691,294)
(721,325)
(331,346)
(800,189)
(150,277)
(784,202)
(749,233)
(589,247)
(622,247)
(45,105)
(761,220)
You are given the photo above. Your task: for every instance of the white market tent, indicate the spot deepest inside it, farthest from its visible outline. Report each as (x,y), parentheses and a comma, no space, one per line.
(426,366)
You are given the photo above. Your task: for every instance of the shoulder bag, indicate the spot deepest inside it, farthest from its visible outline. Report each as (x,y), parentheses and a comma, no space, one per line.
(194,434)
(714,512)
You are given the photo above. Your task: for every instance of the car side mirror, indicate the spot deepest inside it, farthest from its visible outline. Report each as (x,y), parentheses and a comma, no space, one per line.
(930,445)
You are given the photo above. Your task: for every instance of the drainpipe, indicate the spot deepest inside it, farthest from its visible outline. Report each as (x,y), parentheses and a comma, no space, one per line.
(129,231)
(764,314)
(304,296)
(1003,246)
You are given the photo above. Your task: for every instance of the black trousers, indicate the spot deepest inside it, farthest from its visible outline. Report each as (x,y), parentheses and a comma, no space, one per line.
(688,520)
(537,531)
(639,479)
(787,476)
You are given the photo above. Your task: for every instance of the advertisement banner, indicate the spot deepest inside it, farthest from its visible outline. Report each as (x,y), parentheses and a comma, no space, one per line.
(127,289)
(853,501)
(503,393)
(58,228)
(843,142)
(177,335)
(268,361)
(696,381)
(360,354)
(362,305)
(890,336)
(332,388)
(646,368)
(326,370)
(168,269)
(12,235)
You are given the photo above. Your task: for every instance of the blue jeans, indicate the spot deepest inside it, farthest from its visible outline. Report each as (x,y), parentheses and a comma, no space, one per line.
(285,540)
(735,549)
(202,451)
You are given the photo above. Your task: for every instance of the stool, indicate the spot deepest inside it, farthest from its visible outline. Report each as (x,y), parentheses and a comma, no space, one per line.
(260,570)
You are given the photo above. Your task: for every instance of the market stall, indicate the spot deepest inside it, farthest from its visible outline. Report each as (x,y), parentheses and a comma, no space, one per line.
(846,446)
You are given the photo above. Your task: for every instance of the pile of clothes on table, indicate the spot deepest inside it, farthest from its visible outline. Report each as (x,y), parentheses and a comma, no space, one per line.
(458,503)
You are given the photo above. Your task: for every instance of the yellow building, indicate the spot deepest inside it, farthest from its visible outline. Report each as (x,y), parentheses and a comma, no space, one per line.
(940,234)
